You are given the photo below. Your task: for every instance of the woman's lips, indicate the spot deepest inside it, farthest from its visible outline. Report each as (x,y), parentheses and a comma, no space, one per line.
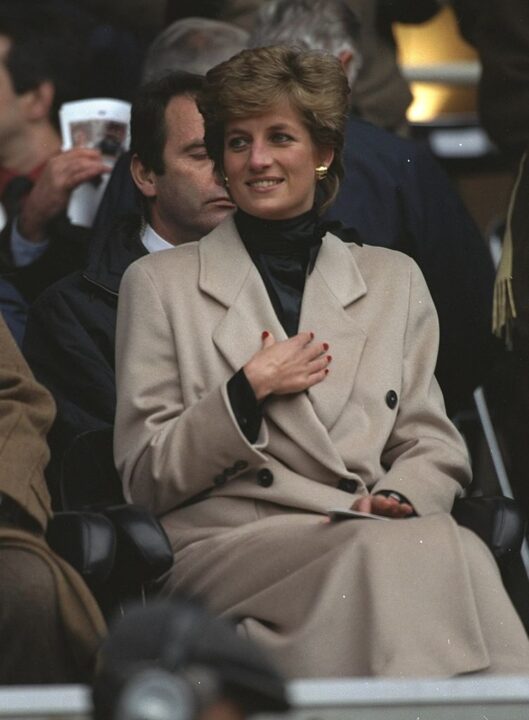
(263,184)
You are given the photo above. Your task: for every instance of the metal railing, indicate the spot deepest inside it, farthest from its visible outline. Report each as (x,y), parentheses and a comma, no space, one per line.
(466,698)
(452,73)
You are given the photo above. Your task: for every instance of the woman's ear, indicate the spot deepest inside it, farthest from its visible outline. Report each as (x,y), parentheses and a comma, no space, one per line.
(326,156)
(145,179)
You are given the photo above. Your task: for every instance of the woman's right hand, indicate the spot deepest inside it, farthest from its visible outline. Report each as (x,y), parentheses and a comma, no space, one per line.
(287,366)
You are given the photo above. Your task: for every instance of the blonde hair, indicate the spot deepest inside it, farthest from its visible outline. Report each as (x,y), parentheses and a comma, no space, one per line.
(254,80)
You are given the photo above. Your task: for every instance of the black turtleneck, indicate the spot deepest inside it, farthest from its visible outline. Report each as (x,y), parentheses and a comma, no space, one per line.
(283,251)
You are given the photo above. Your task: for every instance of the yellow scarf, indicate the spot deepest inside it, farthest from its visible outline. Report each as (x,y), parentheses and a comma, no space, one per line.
(503,306)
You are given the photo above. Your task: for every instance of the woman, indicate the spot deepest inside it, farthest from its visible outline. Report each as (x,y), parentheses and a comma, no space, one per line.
(271,372)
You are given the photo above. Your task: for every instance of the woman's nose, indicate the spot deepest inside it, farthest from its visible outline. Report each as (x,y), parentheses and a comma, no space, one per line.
(260,156)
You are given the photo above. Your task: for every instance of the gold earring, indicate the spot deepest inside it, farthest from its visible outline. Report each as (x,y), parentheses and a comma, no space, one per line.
(321,172)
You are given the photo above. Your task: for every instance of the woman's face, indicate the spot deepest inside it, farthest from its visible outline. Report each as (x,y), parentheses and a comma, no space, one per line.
(270,163)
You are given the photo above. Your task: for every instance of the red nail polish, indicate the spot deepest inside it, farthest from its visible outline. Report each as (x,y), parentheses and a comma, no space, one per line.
(325,346)
(312,336)
(326,371)
(265,334)
(329,358)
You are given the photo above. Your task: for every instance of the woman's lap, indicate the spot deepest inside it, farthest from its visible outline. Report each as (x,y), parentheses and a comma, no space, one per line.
(356,596)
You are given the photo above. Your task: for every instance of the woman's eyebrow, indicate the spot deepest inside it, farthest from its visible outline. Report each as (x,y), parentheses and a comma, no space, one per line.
(281,126)
(237,131)
(276,126)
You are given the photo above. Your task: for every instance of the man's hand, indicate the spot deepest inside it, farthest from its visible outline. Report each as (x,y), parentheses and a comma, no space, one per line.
(51,192)
(288,366)
(380,505)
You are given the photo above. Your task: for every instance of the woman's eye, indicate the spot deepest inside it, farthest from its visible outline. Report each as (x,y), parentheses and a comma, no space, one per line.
(281,137)
(237,143)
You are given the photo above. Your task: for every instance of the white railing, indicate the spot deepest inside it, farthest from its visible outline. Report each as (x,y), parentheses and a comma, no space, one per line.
(467,698)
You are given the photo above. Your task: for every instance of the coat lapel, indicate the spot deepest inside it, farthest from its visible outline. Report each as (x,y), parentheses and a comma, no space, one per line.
(228,274)
(334,284)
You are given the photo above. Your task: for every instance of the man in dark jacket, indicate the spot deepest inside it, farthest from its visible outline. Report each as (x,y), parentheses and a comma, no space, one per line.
(394,194)
(39,70)
(69,340)
(510,390)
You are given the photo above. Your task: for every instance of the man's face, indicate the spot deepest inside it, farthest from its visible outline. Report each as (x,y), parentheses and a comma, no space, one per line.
(189,201)
(11,116)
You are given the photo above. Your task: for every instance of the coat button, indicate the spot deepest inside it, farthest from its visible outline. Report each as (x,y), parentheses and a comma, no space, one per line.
(391,399)
(240,465)
(219,479)
(348,484)
(265,477)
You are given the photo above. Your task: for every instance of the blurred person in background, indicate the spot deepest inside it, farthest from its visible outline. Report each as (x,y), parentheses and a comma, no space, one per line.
(380,94)
(40,65)
(193,44)
(173,657)
(500,33)
(50,626)
(510,390)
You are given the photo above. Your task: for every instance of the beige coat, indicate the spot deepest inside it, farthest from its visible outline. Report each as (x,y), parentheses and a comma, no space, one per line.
(188,319)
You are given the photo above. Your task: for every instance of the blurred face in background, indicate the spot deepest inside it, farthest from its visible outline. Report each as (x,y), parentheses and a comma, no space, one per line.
(11,105)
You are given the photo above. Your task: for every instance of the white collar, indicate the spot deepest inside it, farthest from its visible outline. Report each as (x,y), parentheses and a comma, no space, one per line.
(154,242)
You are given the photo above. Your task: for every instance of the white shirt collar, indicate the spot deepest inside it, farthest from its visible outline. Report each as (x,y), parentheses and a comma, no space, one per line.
(154,242)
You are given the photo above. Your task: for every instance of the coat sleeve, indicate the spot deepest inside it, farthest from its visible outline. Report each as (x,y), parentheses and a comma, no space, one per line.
(26,413)
(426,458)
(168,448)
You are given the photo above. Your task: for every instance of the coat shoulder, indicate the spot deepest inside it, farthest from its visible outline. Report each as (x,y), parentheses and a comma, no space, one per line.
(382,261)
(182,260)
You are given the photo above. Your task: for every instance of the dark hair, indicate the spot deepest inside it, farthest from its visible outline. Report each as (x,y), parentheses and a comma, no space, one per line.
(148,132)
(46,46)
(253,81)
